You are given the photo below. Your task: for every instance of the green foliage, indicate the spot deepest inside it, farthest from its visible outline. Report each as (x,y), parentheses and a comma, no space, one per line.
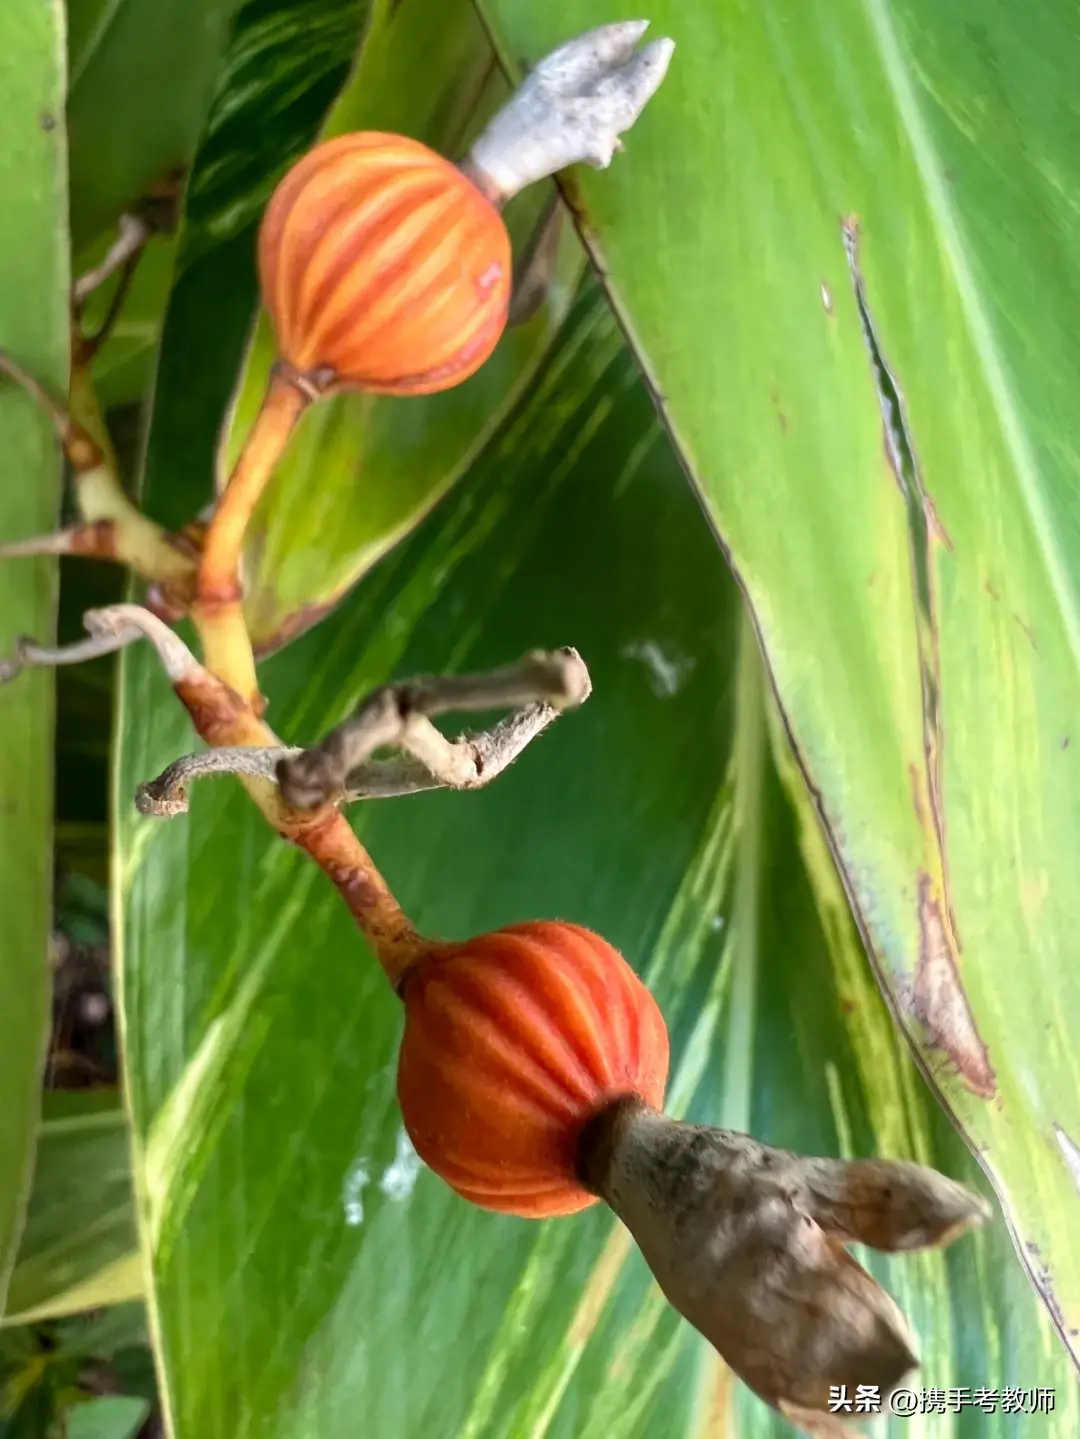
(33,328)
(281,1202)
(79,1247)
(47,1372)
(114,1416)
(879,437)
(887,454)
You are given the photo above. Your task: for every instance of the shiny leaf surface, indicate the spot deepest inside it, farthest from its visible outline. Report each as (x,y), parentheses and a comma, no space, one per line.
(33,329)
(142,73)
(856,294)
(79,1247)
(116,1416)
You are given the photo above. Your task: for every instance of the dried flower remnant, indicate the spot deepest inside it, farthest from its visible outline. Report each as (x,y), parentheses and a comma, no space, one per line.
(747,1243)
(571,109)
(534,1060)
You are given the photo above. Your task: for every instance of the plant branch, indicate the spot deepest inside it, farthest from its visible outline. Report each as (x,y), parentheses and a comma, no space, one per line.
(544,683)
(747,1243)
(167,795)
(218,609)
(30,655)
(111,628)
(463,764)
(113,529)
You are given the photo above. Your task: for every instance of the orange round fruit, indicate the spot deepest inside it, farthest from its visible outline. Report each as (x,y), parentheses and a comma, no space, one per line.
(513,1042)
(383,267)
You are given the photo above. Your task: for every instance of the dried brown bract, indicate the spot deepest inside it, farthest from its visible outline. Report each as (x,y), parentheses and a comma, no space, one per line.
(747,1243)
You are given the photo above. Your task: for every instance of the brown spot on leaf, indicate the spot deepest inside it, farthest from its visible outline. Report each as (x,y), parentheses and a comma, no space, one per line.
(934,523)
(1045,1285)
(939,1001)
(1028,631)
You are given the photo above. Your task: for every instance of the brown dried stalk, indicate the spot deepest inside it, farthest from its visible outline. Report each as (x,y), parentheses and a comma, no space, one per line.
(340,769)
(543,684)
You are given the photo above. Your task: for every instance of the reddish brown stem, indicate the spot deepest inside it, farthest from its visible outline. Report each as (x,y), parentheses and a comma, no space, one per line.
(223,717)
(327,837)
(218,607)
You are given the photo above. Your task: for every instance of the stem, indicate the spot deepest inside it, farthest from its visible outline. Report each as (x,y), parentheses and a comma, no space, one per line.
(218,607)
(313,782)
(132,233)
(224,718)
(326,836)
(113,528)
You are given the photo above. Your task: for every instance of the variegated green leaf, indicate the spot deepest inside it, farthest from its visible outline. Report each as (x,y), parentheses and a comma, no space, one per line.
(33,331)
(845,242)
(280,1202)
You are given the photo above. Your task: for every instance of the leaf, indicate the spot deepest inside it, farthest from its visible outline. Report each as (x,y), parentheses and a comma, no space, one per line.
(113,1334)
(317,530)
(44,1368)
(79,1249)
(33,330)
(280,1202)
(885,448)
(286,64)
(142,75)
(115,1416)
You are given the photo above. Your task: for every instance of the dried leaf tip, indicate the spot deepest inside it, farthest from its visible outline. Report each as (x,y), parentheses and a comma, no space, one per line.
(747,1243)
(571,109)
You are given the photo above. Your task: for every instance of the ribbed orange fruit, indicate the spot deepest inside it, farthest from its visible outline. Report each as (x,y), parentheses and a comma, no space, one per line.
(512,1042)
(383,266)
